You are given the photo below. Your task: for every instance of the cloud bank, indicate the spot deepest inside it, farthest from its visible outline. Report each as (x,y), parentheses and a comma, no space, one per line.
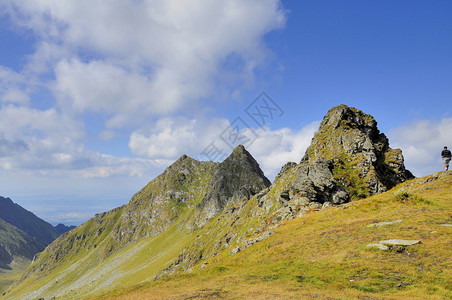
(133,65)
(422,142)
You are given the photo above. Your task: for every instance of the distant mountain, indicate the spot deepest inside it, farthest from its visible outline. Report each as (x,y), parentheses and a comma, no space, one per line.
(16,243)
(61,228)
(23,234)
(26,221)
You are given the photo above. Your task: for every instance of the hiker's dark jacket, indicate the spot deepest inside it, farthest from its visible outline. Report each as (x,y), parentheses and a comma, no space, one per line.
(446,153)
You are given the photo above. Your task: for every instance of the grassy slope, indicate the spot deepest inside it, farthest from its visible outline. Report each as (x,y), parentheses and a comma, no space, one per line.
(8,277)
(324,254)
(21,246)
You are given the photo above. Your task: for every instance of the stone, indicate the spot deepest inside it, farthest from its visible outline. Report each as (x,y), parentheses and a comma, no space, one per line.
(379,246)
(250,242)
(350,139)
(204,265)
(395,244)
(238,176)
(340,196)
(348,159)
(285,195)
(315,205)
(316,182)
(326,205)
(383,223)
(399,242)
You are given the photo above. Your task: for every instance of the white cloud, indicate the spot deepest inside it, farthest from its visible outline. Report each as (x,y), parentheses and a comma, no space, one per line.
(108,165)
(275,148)
(134,59)
(128,62)
(171,138)
(422,142)
(11,87)
(48,143)
(15,95)
(44,139)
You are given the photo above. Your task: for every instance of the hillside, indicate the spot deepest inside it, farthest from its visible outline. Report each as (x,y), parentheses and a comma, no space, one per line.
(26,221)
(324,254)
(195,212)
(146,235)
(22,236)
(17,249)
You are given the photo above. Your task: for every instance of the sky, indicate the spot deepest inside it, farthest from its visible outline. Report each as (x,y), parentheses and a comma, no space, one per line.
(98,99)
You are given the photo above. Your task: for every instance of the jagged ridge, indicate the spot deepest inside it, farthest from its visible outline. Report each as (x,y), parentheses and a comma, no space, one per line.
(175,205)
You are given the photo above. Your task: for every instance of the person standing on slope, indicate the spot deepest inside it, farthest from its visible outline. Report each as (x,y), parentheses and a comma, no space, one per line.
(446,156)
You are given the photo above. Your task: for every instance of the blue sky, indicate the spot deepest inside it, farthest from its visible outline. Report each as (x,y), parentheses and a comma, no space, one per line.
(96,100)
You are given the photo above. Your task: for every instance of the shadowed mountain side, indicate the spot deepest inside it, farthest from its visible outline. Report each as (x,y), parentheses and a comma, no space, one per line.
(26,221)
(238,176)
(61,228)
(22,234)
(16,243)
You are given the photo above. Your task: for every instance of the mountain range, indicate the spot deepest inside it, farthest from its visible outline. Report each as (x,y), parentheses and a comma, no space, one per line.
(22,236)
(196,213)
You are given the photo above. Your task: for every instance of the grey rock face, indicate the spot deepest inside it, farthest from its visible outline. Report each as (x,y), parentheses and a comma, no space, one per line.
(285,169)
(348,159)
(238,176)
(317,183)
(361,156)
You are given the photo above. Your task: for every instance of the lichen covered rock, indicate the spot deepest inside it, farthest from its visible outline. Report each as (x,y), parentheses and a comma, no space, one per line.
(348,159)
(362,161)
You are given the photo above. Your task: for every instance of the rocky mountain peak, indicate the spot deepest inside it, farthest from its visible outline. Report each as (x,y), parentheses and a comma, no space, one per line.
(238,176)
(348,159)
(362,161)
(350,116)
(347,130)
(241,157)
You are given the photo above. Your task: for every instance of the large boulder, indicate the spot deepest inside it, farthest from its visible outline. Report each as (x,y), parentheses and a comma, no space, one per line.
(362,161)
(349,158)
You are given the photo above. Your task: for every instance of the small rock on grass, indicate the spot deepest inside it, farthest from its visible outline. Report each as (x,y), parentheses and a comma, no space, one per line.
(398,242)
(384,223)
(379,246)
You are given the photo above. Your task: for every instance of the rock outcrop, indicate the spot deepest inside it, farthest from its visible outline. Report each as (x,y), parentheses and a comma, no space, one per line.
(362,161)
(238,176)
(348,159)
